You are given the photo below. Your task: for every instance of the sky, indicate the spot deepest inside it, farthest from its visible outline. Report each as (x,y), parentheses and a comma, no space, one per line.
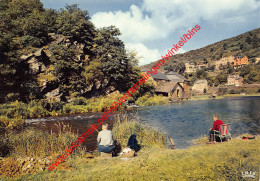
(151,27)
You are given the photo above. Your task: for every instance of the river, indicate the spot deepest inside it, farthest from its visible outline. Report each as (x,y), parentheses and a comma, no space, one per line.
(182,121)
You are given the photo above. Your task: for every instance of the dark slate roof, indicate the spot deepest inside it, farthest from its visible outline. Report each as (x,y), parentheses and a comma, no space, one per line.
(171,76)
(158,76)
(175,77)
(239,57)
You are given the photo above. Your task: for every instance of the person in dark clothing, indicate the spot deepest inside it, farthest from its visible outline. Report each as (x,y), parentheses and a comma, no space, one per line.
(132,142)
(215,128)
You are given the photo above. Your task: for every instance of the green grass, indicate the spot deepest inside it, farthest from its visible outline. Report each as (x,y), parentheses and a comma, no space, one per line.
(204,97)
(148,100)
(147,137)
(13,114)
(37,143)
(222,161)
(239,95)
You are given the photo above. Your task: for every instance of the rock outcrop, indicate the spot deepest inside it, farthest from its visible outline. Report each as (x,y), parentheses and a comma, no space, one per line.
(40,66)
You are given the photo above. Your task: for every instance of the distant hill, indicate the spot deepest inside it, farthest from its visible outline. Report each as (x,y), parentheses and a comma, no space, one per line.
(245,44)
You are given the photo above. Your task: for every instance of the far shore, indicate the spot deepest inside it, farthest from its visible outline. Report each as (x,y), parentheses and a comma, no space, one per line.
(207,97)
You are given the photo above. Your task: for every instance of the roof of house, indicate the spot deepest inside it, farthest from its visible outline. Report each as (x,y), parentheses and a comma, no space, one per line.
(175,77)
(166,87)
(242,56)
(170,76)
(200,81)
(159,75)
(233,76)
(236,77)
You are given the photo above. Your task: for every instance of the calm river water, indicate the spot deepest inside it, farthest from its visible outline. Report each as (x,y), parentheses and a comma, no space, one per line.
(183,121)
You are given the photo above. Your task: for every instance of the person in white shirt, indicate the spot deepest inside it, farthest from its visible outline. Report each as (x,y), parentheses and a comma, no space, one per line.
(105,140)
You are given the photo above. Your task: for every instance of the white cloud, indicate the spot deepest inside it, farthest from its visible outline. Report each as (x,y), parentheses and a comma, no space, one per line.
(135,27)
(155,20)
(144,54)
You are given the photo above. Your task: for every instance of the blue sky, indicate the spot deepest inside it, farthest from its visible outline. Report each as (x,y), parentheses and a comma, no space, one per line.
(150,27)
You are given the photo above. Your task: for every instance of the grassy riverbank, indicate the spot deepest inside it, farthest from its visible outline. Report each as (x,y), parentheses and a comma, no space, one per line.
(31,150)
(222,161)
(207,97)
(13,114)
(149,100)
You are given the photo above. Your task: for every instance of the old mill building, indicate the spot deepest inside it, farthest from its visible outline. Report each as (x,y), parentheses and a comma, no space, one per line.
(172,85)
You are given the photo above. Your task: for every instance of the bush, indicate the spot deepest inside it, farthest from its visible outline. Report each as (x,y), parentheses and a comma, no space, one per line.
(14,110)
(123,128)
(37,110)
(222,90)
(11,122)
(79,101)
(148,100)
(234,91)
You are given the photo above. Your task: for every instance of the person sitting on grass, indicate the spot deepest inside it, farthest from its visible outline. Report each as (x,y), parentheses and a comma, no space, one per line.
(105,140)
(215,129)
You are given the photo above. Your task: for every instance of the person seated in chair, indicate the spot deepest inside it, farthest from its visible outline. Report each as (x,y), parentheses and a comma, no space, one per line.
(105,140)
(215,129)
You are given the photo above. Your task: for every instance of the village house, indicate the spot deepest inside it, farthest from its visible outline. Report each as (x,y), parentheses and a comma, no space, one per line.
(172,85)
(257,60)
(200,86)
(172,90)
(224,61)
(235,80)
(190,67)
(239,61)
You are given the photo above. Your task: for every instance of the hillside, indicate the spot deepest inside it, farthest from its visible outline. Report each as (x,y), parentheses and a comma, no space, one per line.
(245,44)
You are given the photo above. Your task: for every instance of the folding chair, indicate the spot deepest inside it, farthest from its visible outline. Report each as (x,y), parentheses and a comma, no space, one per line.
(224,132)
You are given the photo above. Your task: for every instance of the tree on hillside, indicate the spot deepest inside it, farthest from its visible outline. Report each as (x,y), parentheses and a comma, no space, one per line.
(201,74)
(178,67)
(111,65)
(21,26)
(24,28)
(75,23)
(221,78)
(250,73)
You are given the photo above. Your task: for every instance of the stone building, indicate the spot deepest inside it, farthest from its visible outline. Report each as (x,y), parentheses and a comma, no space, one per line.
(172,90)
(235,80)
(190,67)
(224,61)
(172,85)
(200,86)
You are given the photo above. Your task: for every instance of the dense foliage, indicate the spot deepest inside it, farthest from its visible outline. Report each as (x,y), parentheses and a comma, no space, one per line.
(25,27)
